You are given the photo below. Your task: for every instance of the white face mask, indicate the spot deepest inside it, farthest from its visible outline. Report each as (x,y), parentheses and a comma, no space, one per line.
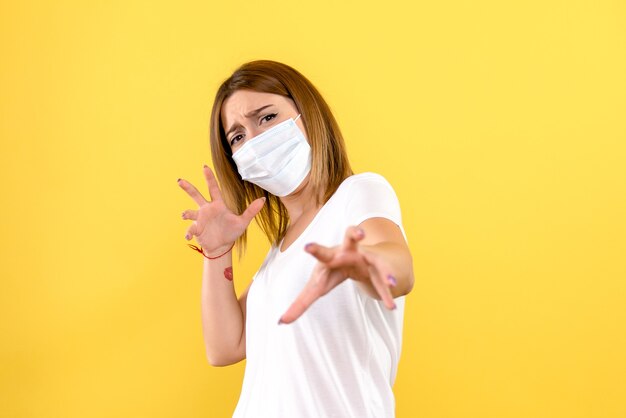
(276,160)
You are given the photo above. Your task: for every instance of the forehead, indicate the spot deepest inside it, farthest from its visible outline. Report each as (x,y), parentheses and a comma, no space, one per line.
(242,102)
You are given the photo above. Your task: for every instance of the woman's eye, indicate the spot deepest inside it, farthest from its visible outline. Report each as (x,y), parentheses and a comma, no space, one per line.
(235,139)
(268,118)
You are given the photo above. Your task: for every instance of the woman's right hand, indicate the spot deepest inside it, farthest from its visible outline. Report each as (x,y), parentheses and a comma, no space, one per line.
(216,227)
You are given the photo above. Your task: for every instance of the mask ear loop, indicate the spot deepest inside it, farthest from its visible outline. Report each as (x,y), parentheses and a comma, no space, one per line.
(299,114)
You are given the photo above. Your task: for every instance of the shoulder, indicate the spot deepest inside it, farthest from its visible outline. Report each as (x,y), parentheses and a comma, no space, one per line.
(366,195)
(364,180)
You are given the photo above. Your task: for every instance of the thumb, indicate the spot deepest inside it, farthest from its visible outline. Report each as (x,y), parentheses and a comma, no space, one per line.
(252,210)
(191,231)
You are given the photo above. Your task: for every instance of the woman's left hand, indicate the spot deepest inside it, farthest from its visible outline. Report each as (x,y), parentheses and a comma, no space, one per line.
(336,264)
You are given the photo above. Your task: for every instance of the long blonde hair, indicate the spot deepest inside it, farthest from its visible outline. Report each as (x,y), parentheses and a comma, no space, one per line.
(330,165)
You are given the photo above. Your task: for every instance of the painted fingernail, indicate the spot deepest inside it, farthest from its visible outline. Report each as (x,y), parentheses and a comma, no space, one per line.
(206,166)
(183,215)
(392,280)
(177,180)
(308,246)
(280,321)
(360,232)
(394,306)
(187,237)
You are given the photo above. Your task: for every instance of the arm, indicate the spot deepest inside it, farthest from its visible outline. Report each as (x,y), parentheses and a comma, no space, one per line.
(384,242)
(216,228)
(223,315)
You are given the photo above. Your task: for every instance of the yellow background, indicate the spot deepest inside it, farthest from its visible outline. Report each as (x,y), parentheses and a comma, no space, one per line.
(501,126)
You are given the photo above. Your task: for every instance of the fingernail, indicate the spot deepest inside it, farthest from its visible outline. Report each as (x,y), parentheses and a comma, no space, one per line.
(360,233)
(264,199)
(394,306)
(183,215)
(187,237)
(308,246)
(177,180)
(392,280)
(206,166)
(280,321)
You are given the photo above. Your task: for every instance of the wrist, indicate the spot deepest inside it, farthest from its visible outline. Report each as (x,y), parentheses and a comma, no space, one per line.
(219,251)
(215,253)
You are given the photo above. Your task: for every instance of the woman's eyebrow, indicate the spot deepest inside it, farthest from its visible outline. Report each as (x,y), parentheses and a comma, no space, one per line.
(257,111)
(232,128)
(248,115)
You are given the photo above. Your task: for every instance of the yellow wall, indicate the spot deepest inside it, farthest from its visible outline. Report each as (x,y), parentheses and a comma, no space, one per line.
(502,127)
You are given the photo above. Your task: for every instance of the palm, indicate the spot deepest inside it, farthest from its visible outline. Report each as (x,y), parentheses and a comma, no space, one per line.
(218,223)
(216,226)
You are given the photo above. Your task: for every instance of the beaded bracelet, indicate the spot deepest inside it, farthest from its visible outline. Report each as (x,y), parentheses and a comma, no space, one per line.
(201,251)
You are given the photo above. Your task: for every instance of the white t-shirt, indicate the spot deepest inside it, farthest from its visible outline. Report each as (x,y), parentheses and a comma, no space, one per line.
(339,359)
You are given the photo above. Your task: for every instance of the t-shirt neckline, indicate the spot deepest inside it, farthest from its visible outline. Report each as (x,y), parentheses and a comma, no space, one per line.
(299,238)
(280,253)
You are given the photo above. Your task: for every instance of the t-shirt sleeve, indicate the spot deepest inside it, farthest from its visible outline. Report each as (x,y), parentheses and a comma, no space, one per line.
(371,196)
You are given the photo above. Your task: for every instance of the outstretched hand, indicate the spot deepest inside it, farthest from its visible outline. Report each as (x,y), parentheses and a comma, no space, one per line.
(336,264)
(216,227)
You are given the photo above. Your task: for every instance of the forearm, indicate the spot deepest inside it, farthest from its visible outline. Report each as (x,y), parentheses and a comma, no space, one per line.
(399,260)
(222,317)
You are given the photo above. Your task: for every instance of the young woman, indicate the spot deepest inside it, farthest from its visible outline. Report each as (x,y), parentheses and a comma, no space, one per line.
(320,324)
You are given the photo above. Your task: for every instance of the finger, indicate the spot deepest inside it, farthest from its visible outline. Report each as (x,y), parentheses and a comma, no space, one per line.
(323,254)
(214,188)
(193,230)
(252,210)
(190,214)
(382,288)
(192,191)
(382,280)
(304,300)
(352,237)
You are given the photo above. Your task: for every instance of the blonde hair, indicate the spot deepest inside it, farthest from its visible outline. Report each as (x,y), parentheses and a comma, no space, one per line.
(330,165)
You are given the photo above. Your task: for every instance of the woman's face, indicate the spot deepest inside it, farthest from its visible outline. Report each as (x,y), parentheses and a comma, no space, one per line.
(246,114)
